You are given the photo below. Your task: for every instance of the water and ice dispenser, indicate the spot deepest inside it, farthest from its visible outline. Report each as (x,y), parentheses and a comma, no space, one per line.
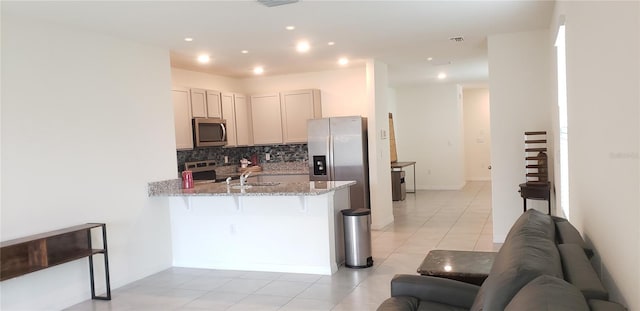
(319,165)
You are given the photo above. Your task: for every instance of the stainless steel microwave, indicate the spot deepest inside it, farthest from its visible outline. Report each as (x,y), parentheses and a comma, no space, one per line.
(208,132)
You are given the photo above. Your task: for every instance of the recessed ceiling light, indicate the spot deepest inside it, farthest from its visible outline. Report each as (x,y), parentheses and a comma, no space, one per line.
(188,39)
(343,61)
(204,59)
(258,70)
(303,46)
(290,27)
(331,43)
(429,58)
(244,51)
(442,75)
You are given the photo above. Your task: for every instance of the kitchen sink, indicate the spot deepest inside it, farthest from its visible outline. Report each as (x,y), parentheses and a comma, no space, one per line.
(237,186)
(263,183)
(255,184)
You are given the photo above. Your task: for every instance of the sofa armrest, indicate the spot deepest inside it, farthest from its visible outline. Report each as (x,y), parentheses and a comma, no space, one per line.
(602,305)
(400,303)
(440,290)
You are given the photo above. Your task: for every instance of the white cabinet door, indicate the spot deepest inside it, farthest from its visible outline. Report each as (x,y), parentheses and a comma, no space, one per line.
(229,114)
(214,107)
(243,121)
(198,103)
(182,118)
(297,107)
(235,110)
(266,119)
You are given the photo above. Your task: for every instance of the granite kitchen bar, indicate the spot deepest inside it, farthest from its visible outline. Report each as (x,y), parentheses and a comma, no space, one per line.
(270,226)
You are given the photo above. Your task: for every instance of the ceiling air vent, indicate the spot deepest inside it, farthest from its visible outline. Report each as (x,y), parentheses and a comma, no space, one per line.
(271,3)
(457,39)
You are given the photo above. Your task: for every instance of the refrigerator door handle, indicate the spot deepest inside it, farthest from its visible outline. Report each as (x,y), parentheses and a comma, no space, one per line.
(330,165)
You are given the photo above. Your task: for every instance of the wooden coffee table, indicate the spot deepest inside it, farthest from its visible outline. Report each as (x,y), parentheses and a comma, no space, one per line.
(466,266)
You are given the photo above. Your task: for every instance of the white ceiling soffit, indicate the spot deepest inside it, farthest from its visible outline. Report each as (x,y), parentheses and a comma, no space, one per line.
(272,3)
(403,34)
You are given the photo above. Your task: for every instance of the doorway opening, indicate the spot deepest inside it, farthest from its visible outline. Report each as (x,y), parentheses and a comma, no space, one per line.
(477,134)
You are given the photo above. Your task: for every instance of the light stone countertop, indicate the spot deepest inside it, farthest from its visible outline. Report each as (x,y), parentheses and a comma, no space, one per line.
(288,168)
(173,187)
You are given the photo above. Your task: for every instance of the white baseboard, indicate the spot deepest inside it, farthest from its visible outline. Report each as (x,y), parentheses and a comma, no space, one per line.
(479,179)
(441,187)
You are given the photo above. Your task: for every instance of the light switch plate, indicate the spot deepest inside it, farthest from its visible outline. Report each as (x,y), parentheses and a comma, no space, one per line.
(383,134)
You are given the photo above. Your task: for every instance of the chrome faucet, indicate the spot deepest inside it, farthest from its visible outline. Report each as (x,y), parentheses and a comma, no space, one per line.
(243,178)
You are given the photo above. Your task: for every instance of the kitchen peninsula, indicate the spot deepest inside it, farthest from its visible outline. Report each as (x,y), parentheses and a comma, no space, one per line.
(275,226)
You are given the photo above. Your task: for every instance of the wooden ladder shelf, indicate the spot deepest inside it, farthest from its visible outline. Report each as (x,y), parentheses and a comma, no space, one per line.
(536,186)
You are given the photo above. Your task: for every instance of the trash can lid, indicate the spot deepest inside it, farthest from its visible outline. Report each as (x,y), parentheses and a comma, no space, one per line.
(356,212)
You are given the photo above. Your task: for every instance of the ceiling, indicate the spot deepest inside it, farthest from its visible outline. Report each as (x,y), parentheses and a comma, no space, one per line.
(402,34)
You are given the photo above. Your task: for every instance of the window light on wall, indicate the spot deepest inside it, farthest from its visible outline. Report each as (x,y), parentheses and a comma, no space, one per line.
(561,59)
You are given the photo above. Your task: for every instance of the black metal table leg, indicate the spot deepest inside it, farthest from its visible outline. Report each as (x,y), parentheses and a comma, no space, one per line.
(107,296)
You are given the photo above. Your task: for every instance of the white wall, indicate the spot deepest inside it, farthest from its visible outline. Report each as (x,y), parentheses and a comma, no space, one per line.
(519,82)
(477,133)
(429,131)
(87,121)
(379,148)
(342,91)
(603,82)
(194,79)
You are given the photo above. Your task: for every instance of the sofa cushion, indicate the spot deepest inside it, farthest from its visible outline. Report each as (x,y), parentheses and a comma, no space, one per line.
(568,234)
(578,271)
(548,293)
(406,303)
(533,222)
(527,253)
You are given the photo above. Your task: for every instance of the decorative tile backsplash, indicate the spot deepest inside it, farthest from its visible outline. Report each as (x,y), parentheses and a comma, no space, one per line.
(278,153)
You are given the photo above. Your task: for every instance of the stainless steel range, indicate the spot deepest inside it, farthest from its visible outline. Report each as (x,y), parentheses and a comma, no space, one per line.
(205,171)
(202,170)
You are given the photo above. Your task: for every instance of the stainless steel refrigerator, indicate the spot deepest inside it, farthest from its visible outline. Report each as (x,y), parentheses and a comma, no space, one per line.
(338,152)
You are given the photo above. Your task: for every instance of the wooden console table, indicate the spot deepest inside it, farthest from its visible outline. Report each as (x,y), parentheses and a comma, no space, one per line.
(536,192)
(41,251)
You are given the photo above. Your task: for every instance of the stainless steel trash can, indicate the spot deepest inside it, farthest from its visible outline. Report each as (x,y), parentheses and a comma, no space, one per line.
(357,238)
(398,186)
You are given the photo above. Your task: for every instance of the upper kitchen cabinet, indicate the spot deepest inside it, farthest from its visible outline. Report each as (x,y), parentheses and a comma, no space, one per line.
(229,114)
(182,118)
(198,103)
(235,111)
(266,119)
(214,106)
(282,118)
(243,120)
(205,104)
(296,107)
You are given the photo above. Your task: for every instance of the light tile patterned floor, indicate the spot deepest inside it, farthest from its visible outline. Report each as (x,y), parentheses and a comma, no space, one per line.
(427,220)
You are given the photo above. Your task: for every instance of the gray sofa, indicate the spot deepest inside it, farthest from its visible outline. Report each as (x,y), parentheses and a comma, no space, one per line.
(542,265)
